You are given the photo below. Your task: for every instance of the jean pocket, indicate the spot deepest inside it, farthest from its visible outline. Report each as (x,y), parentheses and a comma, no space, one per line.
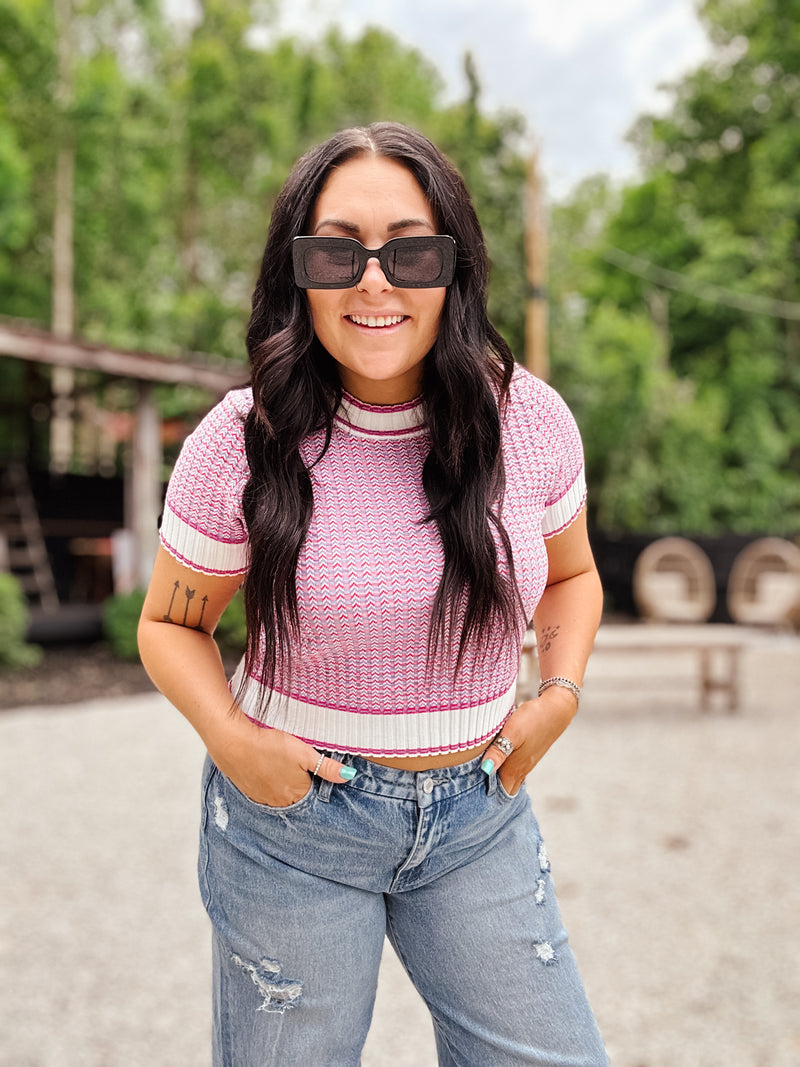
(504,793)
(296,805)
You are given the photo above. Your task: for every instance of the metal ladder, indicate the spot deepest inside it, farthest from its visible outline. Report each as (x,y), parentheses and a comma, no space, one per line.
(21,531)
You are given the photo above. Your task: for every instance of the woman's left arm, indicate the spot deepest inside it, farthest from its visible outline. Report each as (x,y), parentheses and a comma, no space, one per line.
(566,622)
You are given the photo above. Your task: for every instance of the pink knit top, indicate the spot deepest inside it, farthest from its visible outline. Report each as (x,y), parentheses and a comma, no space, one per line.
(369,569)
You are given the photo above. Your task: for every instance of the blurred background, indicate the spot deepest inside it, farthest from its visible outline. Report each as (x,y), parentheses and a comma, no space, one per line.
(636,168)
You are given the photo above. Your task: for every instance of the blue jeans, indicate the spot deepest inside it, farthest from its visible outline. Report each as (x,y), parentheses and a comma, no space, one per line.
(445,863)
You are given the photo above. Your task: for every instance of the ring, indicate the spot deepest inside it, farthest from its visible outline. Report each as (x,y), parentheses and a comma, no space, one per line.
(503,744)
(319,764)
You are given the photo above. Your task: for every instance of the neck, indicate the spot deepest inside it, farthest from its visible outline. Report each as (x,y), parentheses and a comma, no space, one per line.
(384,393)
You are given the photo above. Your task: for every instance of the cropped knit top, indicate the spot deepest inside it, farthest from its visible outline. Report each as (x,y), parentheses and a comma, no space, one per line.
(368,571)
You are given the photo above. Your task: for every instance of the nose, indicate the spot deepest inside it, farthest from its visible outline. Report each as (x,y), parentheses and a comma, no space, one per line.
(373,280)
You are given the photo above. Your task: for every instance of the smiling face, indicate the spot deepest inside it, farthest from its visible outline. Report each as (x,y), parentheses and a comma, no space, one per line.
(377,333)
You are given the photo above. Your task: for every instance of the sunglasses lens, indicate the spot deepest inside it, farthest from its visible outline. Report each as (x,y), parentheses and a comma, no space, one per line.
(337,262)
(413,264)
(327,265)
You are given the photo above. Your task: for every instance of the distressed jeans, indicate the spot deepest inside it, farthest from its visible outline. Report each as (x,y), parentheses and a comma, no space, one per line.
(445,863)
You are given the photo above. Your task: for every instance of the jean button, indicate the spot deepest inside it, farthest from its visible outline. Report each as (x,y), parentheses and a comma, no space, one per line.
(427,786)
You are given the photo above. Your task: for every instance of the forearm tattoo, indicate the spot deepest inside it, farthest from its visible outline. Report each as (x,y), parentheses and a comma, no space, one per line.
(181,605)
(547,637)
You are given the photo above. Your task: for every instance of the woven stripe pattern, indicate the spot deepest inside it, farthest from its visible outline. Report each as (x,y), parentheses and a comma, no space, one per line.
(370,566)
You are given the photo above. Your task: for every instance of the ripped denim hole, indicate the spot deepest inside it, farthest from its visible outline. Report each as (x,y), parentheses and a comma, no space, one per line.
(280,994)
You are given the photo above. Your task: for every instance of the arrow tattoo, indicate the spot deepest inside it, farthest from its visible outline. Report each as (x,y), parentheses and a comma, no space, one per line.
(168,616)
(189,597)
(202,613)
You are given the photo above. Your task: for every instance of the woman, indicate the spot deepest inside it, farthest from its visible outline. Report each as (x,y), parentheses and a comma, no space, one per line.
(398,499)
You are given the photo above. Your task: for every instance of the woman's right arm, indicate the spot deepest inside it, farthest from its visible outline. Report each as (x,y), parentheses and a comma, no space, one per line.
(177,647)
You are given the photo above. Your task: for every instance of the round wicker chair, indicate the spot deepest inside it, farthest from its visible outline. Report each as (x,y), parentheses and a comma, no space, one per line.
(673,581)
(764,584)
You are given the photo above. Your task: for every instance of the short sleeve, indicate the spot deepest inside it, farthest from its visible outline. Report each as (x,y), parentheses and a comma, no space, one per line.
(203,524)
(567,495)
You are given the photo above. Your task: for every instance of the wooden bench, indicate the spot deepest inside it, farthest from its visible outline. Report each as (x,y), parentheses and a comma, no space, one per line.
(717,648)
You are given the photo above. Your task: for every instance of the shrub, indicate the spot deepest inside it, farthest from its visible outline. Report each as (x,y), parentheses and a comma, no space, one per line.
(120,621)
(231,632)
(14,651)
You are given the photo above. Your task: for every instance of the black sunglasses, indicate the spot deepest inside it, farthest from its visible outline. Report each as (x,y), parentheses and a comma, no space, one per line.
(340,262)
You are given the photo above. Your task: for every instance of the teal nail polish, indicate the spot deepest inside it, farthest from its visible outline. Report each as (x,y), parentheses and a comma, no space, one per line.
(348,773)
(487,766)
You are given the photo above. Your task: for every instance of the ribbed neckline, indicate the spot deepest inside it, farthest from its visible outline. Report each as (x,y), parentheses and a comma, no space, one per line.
(381,420)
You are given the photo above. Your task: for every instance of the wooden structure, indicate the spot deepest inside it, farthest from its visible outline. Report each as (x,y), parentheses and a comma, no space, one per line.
(715,650)
(143,466)
(24,545)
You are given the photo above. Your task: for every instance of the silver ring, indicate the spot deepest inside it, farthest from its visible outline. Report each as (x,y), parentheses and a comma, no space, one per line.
(319,764)
(503,744)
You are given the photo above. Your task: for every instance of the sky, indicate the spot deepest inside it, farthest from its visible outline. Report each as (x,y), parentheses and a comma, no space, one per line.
(580,71)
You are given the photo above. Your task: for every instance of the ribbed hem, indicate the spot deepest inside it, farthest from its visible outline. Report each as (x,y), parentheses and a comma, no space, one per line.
(411,733)
(565,511)
(199,551)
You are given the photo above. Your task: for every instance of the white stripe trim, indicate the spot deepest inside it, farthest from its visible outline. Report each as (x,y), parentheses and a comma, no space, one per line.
(388,435)
(199,551)
(563,512)
(378,734)
(394,419)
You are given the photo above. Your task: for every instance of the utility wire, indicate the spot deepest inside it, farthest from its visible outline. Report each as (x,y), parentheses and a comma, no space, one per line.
(715,294)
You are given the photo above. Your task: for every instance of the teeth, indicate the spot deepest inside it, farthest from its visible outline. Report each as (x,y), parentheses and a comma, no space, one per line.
(376,320)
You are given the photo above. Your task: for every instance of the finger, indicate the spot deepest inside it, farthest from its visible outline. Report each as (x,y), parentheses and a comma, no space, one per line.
(330,769)
(494,757)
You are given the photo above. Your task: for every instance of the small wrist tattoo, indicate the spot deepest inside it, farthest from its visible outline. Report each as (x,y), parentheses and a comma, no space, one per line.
(547,637)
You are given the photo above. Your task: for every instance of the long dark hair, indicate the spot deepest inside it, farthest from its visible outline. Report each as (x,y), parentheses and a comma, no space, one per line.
(296,391)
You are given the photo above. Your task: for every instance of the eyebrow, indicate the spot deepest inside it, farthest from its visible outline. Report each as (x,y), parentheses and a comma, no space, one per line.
(352,228)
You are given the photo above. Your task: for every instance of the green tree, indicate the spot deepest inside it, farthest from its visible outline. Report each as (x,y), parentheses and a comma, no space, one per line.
(182,142)
(489,150)
(27,122)
(706,246)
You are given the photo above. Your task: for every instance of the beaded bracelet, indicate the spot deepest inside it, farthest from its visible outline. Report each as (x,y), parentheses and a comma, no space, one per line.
(565,683)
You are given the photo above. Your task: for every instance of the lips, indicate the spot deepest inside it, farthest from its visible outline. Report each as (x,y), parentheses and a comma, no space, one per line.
(376,320)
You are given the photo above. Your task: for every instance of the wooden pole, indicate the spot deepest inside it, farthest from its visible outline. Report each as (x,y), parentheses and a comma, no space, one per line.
(143,486)
(536,352)
(63,291)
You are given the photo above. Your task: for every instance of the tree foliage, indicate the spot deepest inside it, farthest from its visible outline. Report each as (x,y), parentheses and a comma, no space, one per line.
(696,427)
(183,139)
(685,384)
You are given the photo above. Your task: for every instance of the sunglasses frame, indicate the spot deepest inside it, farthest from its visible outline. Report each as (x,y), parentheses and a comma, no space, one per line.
(445,244)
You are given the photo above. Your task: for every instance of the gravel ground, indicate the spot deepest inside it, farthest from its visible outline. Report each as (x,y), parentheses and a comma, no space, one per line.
(674,838)
(75,673)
